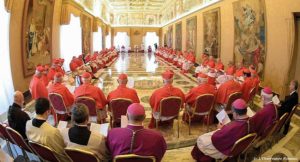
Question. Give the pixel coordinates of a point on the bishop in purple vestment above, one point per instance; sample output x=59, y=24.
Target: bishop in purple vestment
x=135, y=138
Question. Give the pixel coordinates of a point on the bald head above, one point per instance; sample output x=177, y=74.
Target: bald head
x=18, y=98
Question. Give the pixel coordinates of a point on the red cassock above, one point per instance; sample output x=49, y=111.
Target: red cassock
x=256, y=82
x=79, y=61
x=219, y=66
x=166, y=91
x=240, y=72
x=94, y=92
x=230, y=69
x=64, y=92
x=123, y=92
x=73, y=65
x=51, y=73
x=247, y=85
x=38, y=88
x=59, y=69
x=146, y=142
x=211, y=80
x=211, y=63
x=45, y=79
x=224, y=139
x=264, y=118
x=191, y=96
x=225, y=90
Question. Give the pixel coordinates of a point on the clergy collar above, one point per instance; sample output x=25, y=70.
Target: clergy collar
x=135, y=127
x=268, y=102
x=38, y=122
x=122, y=85
x=16, y=105
x=292, y=92
x=80, y=125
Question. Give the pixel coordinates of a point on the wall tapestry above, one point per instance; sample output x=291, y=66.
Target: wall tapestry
x=178, y=36
x=191, y=34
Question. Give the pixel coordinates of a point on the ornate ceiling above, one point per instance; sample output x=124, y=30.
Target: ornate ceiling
x=141, y=12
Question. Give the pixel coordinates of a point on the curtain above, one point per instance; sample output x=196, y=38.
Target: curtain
x=6, y=83
x=70, y=41
x=97, y=40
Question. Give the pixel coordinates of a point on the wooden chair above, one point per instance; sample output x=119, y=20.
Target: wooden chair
x=58, y=105
x=203, y=107
x=78, y=155
x=292, y=113
x=251, y=97
x=5, y=136
x=118, y=107
x=19, y=141
x=90, y=103
x=170, y=107
x=232, y=97
x=134, y=158
x=45, y=153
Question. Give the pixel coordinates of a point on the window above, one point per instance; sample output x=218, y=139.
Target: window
x=97, y=40
x=108, y=41
x=122, y=39
x=150, y=39
x=6, y=85
x=70, y=41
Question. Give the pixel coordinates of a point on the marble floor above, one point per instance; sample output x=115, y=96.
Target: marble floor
x=144, y=72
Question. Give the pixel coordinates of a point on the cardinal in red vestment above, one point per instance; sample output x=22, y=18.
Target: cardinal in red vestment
x=37, y=87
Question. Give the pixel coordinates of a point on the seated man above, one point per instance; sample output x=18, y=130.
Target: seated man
x=53, y=69
x=227, y=89
x=16, y=117
x=44, y=76
x=239, y=69
x=247, y=85
x=219, y=64
x=218, y=144
x=167, y=90
x=122, y=91
x=79, y=136
x=264, y=118
x=40, y=131
x=289, y=102
x=131, y=140
x=230, y=68
x=202, y=88
x=61, y=89
x=89, y=90
x=37, y=87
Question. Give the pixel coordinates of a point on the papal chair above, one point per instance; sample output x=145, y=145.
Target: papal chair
x=118, y=107
x=90, y=103
x=133, y=158
x=59, y=106
x=45, y=153
x=203, y=107
x=79, y=155
x=169, y=108
x=19, y=141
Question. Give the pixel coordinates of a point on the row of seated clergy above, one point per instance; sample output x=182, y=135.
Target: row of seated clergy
x=119, y=140
x=217, y=144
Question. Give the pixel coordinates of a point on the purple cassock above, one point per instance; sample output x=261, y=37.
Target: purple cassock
x=264, y=118
x=146, y=142
x=224, y=139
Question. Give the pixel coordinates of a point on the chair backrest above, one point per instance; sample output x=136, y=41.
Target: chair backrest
x=18, y=139
x=269, y=130
x=232, y=97
x=281, y=122
x=78, y=155
x=119, y=107
x=90, y=103
x=4, y=133
x=242, y=144
x=57, y=102
x=134, y=158
x=292, y=112
x=252, y=94
x=170, y=106
x=44, y=152
x=204, y=103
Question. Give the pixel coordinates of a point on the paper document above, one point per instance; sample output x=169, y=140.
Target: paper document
x=124, y=121
x=62, y=124
x=130, y=83
x=223, y=117
x=250, y=113
x=276, y=100
x=100, y=128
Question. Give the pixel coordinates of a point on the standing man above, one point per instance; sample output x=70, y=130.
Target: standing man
x=89, y=90
x=37, y=87
x=131, y=140
x=16, y=117
x=167, y=90
x=289, y=102
x=247, y=85
x=123, y=92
